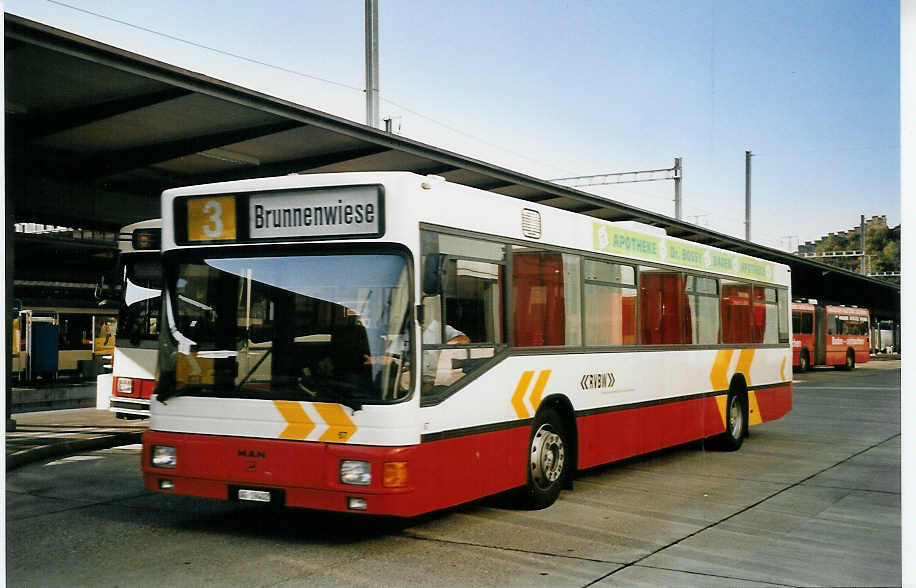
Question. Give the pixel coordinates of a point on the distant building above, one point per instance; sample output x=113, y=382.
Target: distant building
x=837, y=248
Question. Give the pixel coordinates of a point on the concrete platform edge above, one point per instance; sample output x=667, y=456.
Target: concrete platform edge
x=65, y=448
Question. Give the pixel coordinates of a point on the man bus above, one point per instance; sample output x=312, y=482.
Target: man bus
x=295, y=367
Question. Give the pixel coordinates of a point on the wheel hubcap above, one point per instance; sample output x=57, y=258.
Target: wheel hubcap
x=736, y=415
x=547, y=457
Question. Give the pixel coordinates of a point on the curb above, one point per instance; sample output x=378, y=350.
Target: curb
x=70, y=447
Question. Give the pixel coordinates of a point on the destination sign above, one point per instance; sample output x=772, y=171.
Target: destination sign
x=310, y=213
x=341, y=211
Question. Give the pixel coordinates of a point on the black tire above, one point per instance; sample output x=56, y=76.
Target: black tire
x=735, y=423
x=547, y=460
x=804, y=364
x=850, y=361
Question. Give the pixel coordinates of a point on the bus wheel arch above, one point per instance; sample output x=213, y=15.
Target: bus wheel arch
x=551, y=453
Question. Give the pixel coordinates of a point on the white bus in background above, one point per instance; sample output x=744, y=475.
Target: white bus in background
x=133, y=375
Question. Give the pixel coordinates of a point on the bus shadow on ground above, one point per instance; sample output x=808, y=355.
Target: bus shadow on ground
x=295, y=525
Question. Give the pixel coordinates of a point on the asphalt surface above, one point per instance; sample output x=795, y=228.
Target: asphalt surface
x=812, y=499
x=50, y=434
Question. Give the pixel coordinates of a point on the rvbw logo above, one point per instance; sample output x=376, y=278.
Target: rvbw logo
x=597, y=381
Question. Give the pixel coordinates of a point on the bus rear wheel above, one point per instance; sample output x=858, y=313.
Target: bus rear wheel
x=804, y=363
x=850, y=360
x=735, y=423
x=547, y=461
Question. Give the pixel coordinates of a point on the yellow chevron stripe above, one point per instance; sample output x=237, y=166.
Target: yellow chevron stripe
x=753, y=411
x=299, y=425
x=340, y=427
x=722, y=404
x=745, y=358
x=518, y=398
x=543, y=376
x=718, y=376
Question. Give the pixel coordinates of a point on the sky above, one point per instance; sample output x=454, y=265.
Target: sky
x=558, y=89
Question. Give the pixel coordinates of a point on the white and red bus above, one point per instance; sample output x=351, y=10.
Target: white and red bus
x=136, y=348
x=829, y=335
x=394, y=344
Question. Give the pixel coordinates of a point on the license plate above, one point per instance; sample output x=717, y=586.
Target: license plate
x=254, y=495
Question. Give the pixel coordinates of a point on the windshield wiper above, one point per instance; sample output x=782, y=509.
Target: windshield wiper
x=252, y=370
x=336, y=385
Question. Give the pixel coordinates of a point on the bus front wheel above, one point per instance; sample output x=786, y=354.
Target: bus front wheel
x=803, y=361
x=547, y=461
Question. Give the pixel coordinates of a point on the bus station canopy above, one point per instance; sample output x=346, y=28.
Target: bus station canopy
x=95, y=133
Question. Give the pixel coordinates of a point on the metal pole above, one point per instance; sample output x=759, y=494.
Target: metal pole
x=862, y=269
x=678, y=172
x=747, y=195
x=8, y=315
x=372, y=63
x=9, y=220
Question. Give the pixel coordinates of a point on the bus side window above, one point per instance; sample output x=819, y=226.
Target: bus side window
x=807, y=323
x=469, y=301
x=610, y=303
x=545, y=288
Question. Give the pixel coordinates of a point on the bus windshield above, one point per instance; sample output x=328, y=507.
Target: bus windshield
x=141, y=285
x=328, y=328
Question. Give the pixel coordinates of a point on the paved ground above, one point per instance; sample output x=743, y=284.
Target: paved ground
x=48, y=434
x=810, y=500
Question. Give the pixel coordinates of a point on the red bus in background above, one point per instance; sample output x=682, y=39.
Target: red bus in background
x=829, y=335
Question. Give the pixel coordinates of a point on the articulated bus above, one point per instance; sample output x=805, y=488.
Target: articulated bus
x=133, y=373
x=829, y=335
x=394, y=344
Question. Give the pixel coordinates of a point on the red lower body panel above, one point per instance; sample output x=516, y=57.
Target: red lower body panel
x=441, y=473
x=612, y=436
x=775, y=402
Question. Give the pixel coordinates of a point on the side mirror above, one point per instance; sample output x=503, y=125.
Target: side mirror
x=434, y=274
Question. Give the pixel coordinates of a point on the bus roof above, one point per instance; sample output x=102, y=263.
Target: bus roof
x=126, y=234
x=411, y=200
x=850, y=310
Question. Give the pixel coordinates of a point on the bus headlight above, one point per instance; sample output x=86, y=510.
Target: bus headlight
x=355, y=473
x=163, y=456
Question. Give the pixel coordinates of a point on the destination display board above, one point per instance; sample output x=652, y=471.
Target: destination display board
x=302, y=214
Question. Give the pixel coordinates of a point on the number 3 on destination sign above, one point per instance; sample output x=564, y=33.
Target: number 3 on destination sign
x=211, y=219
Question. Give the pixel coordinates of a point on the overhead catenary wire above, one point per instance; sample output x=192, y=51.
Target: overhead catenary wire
x=300, y=74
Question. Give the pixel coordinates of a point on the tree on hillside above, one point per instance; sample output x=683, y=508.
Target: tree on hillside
x=882, y=245
x=832, y=243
